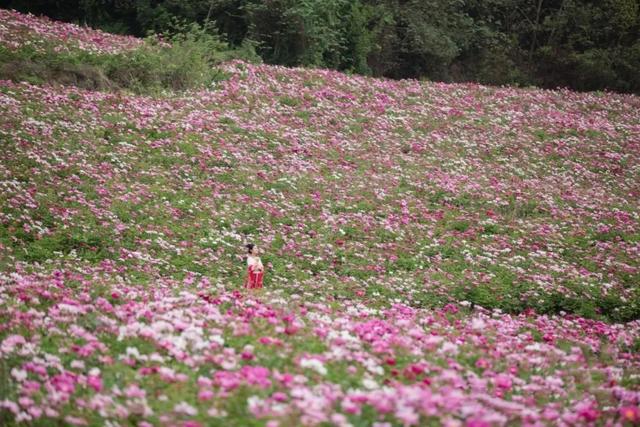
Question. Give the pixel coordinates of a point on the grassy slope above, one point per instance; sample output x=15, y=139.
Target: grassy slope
x=361, y=191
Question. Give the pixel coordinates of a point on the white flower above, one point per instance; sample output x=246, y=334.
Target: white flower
x=217, y=339
x=369, y=384
x=449, y=347
x=186, y=409
x=77, y=364
x=19, y=374
x=477, y=324
x=314, y=364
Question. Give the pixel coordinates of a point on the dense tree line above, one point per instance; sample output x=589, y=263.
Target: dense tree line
x=582, y=44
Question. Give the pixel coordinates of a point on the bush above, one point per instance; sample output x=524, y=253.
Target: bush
x=188, y=61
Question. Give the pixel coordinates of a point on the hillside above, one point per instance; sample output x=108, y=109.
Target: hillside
x=450, y=253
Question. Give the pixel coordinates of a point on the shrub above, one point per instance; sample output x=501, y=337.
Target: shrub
x=188, y=61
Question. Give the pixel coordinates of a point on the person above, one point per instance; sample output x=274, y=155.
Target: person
x=255, y=269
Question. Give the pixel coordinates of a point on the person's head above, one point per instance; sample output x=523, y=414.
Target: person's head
x=252, y=249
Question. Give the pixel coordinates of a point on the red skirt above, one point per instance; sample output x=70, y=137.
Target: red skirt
x=254, y=279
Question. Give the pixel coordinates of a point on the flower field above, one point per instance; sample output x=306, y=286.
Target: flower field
x=436, y=254
x=19, y=30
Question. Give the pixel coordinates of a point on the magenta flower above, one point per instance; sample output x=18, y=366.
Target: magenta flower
x=503, y=381
x=630, y=414
x=95, y=382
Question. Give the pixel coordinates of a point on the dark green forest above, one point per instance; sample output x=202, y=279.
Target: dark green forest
x=580, y=44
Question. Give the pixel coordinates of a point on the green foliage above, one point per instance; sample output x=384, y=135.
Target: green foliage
x=298, y=32
x=189, y=61
x=91, y=247
x=360, y=41
x=288, y=101
x=461, y=226
x=575, y=43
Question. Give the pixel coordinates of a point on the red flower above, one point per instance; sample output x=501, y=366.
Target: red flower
x=416, y=369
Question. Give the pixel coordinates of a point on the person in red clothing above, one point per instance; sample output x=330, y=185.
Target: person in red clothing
x=255, y=269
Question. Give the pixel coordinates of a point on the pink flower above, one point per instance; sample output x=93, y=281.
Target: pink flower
x=407, y=416
x=189, y=279
x=350, y=407
x=503, y=381
x=30, y=387
x=587, y=411
x=9, y=343
x=226, y=380
x=204, y=382
x=630, y=413
x=204, y=395
x=475, y=422
x=450, y=308
x=256, y=375
x=134, y=391
x=417, y=369
x=76, y=421
x=265, y=340
x=292, y=328
x=482, y=363
x=279, y=396
x=382, y=404
x=550, y=414
x=95, y=382
x=185, y=409
x=64, y=383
